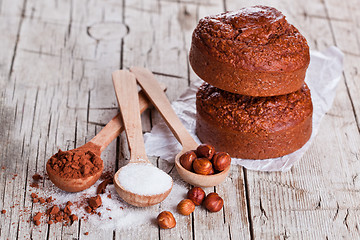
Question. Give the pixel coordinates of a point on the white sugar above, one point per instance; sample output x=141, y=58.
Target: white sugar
x=144, y=179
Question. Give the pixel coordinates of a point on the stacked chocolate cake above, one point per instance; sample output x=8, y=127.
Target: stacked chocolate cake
x=254, y=103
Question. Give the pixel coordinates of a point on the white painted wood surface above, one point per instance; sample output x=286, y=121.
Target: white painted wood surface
x=56, y=59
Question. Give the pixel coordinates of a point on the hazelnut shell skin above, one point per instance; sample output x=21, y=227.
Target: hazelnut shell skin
x=197, y=195
x=187, y=159
x=221, y=160
x=213, y=202
x=205, y=151
x=202, y=166
x=166, y=220
x=186, y=207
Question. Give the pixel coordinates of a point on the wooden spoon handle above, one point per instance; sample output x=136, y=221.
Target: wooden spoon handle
x=116, y=126
x=152, y=89
x=128, y=100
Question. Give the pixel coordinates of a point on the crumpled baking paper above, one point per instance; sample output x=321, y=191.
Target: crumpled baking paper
x=322, y=77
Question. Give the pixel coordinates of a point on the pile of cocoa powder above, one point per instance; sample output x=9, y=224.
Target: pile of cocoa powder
x=77, y=163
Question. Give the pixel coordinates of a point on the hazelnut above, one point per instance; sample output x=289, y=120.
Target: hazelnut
x=196, y=195
x=221, y=161
x=212, y=171
x=166, y=220
x=205, y=150
x=186, y=160
x=202, y=166
x=186, y=207
x=213, y=202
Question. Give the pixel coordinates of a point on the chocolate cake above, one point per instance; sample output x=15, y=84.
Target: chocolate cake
x=253, y=127
x=253, y=51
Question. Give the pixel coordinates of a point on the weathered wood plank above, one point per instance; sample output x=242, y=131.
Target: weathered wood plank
x=178, y=33
x=232, y=221
x=60, y=85
x=13, y=171
x=344, y=20
x=154, y=41
x=315, y=200
x=55, y=66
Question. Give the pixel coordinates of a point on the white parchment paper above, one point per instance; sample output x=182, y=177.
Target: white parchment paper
x=323, y=76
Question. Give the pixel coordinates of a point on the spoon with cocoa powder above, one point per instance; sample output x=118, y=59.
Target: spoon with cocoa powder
x=78, y=169
x=152, y=89
x=139, y=183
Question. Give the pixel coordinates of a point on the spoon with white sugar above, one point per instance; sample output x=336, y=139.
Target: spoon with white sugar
x=152, y=89
x=139, y=183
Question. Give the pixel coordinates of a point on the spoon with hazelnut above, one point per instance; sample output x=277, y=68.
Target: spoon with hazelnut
x=78, y=169
x=139, y=183
x=153, y=91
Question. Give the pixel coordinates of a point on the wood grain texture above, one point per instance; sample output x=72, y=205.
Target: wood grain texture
x=56, y=60
x=316, y=199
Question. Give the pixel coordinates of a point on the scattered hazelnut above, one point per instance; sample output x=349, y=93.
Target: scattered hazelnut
x=186, y=160
x=186, y=207
x=205, y=150
x=202, y=166
x=221, y=161
x=196, y=195
x=213, y=202
x=166, y=220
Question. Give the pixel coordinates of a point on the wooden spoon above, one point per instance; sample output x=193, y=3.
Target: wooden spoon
x=152, y=89
x=95, y=145
x=132, y=182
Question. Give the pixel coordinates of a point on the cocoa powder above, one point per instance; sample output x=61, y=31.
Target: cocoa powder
x=57, y=215
x=102, y=186
x=95, y=202
x=37, y=177
x=37, y=218
x=54, y=213
x=77, y=163
x=63, y=214
x=34, y=185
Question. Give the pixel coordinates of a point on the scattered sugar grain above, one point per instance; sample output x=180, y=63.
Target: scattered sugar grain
x=144, y=179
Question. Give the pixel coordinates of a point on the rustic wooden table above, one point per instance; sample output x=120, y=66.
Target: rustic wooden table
x=56, y=59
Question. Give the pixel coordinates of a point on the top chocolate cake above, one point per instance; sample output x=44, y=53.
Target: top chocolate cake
x=253, y=51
